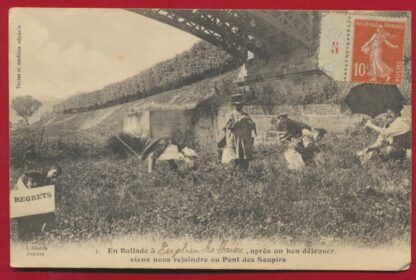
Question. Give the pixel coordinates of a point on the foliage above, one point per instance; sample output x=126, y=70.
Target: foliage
x=302, y=90
x=25, y=106
x=54, y=146
x=202, y=61
x=117, y=145
x=266, y=97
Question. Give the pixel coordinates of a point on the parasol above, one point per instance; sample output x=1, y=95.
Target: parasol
x=374, y=99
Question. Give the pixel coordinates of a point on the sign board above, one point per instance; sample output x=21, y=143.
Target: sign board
x=27, y=202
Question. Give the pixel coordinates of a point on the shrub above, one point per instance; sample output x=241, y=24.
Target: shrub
x=117, y=145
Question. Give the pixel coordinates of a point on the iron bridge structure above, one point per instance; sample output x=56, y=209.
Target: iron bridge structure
x=261, y=32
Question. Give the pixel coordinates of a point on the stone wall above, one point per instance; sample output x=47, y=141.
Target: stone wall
x=137, y=124
x=190, y=128
x=328, y=117
x=206, y=136
x=169, y=123
x=202, y=130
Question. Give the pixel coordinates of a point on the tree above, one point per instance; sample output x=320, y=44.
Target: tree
x=25, y=106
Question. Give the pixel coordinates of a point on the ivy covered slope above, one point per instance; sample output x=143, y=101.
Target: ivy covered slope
x=203, y=60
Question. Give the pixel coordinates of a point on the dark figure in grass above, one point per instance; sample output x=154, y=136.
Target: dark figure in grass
x=301, y=140
x=164, y=149
x=31, y=226
x=29, y=156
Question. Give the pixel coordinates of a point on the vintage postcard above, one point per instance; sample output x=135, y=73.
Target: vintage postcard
x=210, y=139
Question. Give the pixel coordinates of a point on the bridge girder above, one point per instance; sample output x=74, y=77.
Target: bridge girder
x=239, y=31
x=211, y=27
x=227, y=29
x=302, y=26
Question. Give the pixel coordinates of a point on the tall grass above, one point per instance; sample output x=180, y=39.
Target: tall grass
x=337, y=200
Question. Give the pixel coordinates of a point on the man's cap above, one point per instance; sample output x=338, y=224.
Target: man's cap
x=282, y=115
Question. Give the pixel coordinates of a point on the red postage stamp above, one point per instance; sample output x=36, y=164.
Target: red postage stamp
x=377, y=54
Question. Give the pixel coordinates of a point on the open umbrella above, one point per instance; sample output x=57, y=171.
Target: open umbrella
x=374, y=99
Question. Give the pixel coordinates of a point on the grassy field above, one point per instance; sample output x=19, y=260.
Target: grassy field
x=336, y=201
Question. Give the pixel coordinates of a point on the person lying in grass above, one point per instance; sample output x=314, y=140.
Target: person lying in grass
x=163, y=149
x=153, y=150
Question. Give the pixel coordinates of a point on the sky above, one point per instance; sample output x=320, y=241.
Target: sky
x=66, y=51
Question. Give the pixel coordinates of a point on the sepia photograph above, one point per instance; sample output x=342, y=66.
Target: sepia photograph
x=210, y=139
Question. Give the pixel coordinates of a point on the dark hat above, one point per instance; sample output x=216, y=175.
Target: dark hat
x=237, y=99
x=283, y=115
